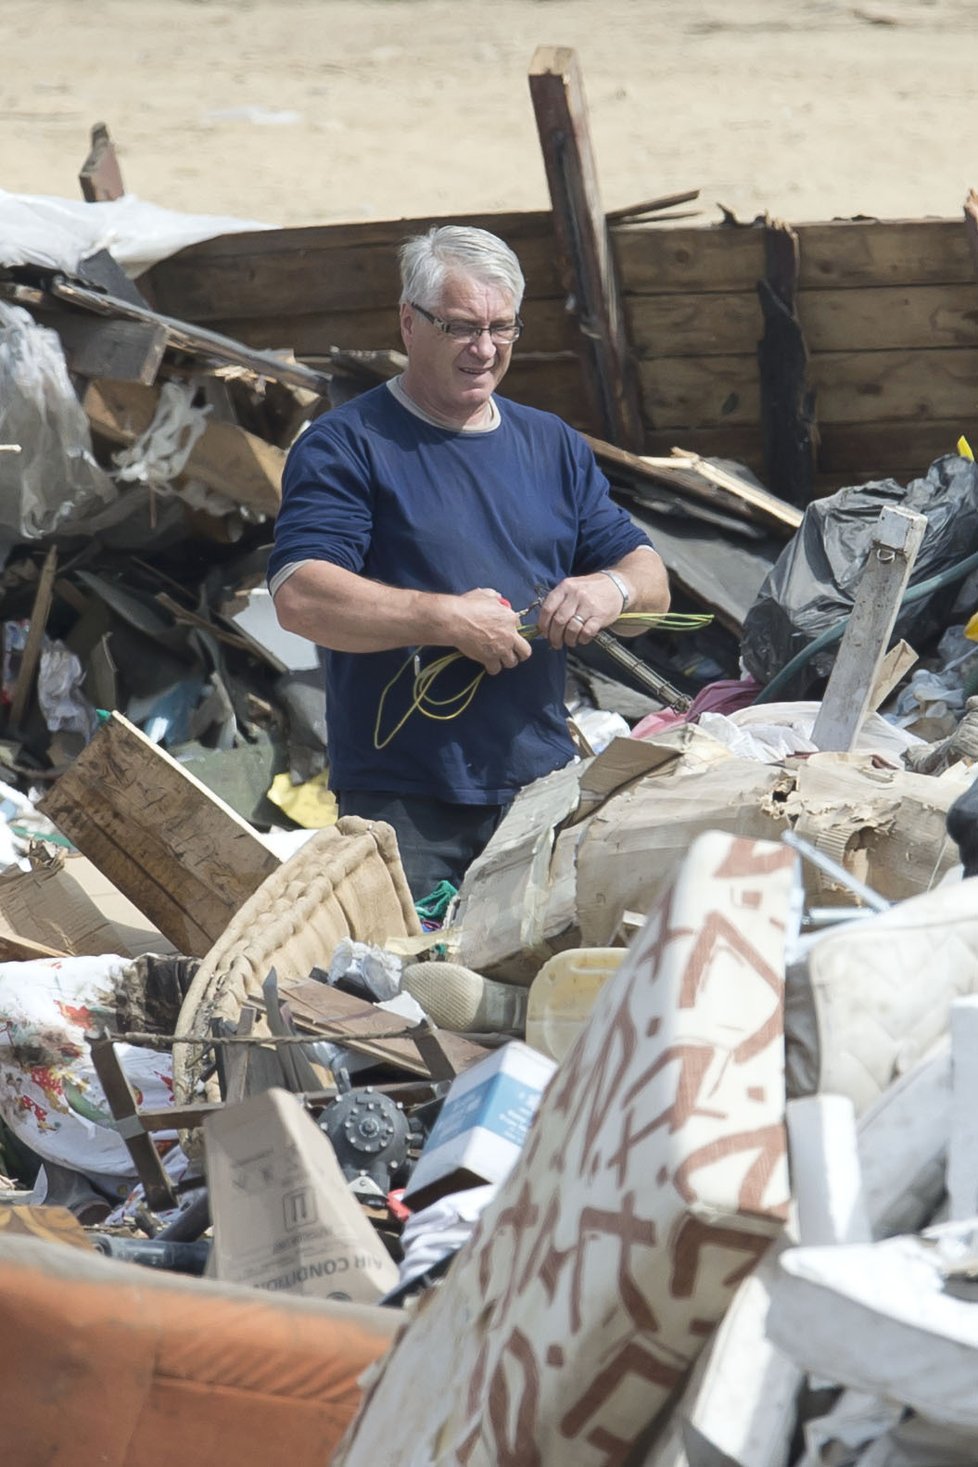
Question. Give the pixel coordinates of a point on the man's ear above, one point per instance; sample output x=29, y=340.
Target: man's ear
x=407, y=324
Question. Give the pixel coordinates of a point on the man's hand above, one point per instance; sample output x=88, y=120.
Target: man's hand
x=578, y=608
x=485, y=628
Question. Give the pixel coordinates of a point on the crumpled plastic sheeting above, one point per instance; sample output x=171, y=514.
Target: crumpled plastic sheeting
x=813, y=583
x=54, y=476
x=36, y=229
x=59, y=692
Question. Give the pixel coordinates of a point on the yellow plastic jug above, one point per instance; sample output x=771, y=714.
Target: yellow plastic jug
x=563, y=994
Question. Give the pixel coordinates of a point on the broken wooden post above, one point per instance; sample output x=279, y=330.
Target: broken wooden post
x=31, y=654
x=787, y=400
x=584, y=250
x=971, y=225
x=100, y=176
x=894, y=547
x=121, y=1101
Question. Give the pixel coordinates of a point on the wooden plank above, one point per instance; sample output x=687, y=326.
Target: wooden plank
x=587, y=265
x=787, y=399
x=129, y=351
x=29, y=658
x=338, y=267
x=197, y=341
x=547, y=328
x=554, y=386
x=122, y=1103
x=180, y=854
x=845, y=702
x=857, y=252
x=319, y=1008
x=901, y=450
x=688, y=324
x=688, y=477
x=100, y=177
x=232, y=461
x=847, y=254
x=654, y=260
x=851, y=387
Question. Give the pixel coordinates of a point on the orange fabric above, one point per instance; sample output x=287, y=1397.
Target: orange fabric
x=101, y=1368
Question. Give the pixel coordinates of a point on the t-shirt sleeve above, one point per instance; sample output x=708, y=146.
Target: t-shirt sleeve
x=326, y=511
x=606, y=532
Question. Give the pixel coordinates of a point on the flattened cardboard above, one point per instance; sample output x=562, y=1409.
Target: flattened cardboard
x=284, y=1217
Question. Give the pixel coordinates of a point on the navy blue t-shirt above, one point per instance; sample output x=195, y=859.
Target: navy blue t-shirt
x=377, y=490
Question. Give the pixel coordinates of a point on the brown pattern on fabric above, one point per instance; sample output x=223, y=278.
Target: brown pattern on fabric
x=653, y=1179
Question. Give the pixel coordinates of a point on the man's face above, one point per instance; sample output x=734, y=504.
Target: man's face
x=450, y=379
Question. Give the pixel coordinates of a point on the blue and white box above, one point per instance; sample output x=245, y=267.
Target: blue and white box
x=482, y=1125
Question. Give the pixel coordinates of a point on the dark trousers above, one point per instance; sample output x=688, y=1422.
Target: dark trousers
x=437, y=841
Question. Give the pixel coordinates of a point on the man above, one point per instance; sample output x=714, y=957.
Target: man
x=426, y=515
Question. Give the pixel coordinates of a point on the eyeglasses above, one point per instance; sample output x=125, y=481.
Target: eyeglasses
x=503, y=333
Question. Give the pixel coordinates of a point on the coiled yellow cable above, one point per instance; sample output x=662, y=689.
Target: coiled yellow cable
x=421, y=698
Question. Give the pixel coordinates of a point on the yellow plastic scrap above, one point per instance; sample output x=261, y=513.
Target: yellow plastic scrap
x=311, y=805
x=964, y=448
x=971, y=630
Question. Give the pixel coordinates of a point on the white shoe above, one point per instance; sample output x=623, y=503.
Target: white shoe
x=459, y=999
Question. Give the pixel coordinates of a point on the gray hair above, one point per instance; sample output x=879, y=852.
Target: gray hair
x=457, y=249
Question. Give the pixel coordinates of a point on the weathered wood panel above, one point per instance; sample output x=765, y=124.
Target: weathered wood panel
x=556, y=387
x=284, y=272
x=878, y=318
x=182, y=856
x=848, y=254
x=548, y=328
x=851, y=387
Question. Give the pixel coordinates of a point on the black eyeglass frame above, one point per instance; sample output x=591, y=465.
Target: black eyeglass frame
x=452, y=329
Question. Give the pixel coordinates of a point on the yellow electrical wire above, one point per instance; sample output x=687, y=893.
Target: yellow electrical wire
x=423, y=702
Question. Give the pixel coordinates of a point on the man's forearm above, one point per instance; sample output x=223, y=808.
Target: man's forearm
x=345, y=612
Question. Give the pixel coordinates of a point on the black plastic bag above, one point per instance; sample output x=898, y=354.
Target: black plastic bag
x=813, y=583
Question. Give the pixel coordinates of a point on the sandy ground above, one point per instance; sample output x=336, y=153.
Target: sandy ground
x=314, y=111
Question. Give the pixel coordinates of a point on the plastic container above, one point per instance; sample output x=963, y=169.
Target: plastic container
x=563, y=994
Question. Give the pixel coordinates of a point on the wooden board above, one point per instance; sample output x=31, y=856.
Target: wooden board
x=851, y=387
x=556, y=386
x=332, y=267
x=547, y=327
x=182, y=856
x=235, y=463
x=129, y=351
x=876, y=318
x=845, y=253
x=319, y=1008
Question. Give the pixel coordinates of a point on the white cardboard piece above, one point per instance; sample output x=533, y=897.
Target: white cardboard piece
x=284, y=1217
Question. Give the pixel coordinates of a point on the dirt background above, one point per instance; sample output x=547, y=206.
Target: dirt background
x=316, y=111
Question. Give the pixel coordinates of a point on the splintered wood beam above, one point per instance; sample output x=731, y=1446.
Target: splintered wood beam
x=31, y=654
x=896, y=541
x=584, y=252
x=195, y=340
x=100, y=176
x=971, y=225
x=787, y=400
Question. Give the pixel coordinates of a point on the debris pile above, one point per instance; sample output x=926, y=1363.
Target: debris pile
x=653, y=1144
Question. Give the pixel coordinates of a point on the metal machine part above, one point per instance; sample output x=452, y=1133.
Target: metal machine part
x=370, y=1135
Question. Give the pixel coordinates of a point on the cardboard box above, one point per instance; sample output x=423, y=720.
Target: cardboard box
x=285, y=1219
x=483, y=1124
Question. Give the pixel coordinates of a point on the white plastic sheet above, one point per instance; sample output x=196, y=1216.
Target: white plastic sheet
x=36, y=229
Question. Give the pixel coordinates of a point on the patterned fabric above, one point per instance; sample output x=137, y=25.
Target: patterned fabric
x=652, y=1180
x=50, y=1096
